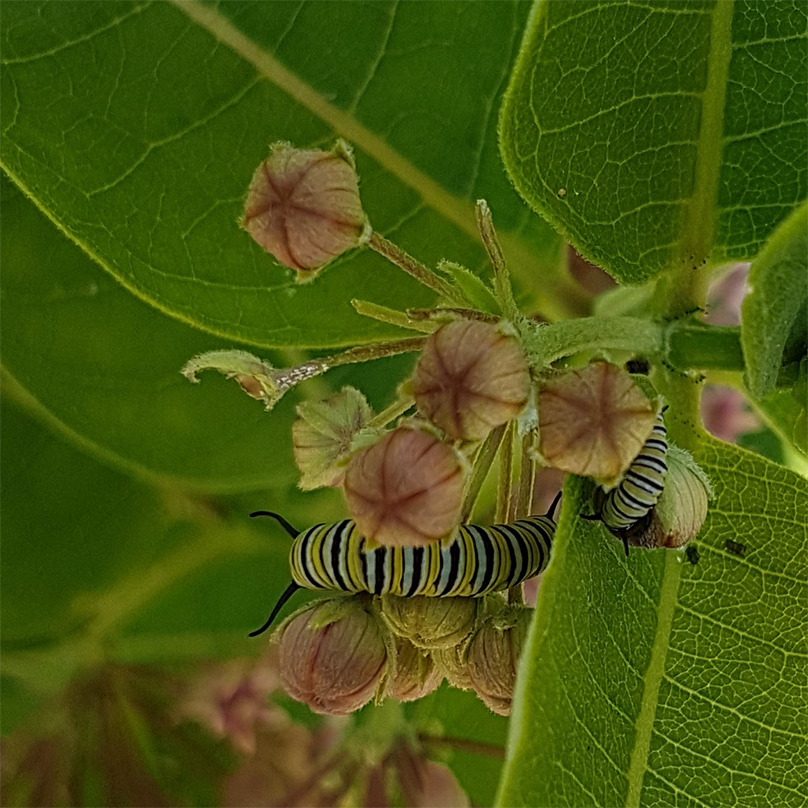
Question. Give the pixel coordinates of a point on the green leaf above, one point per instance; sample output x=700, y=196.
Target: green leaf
x=104, y=369
x=70, y=527
x=650, y=681
x=659, y=134
x=159, y=140
x=775, y=305
x=785, y=412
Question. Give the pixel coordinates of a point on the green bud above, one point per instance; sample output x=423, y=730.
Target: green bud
x=493, y=656
x=430, y=623
x=682, y=507
x=413, y=673
x=323, y=433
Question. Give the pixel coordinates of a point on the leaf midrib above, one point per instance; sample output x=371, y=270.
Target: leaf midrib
x=700, y=215
x=652, y=679
x=457, y=211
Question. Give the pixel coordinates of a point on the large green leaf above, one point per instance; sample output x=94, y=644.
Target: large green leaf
x=653, y=682
x=164, y=110
x=656, y=134
x=776, y=304
x=98, y=567
x=104, y=367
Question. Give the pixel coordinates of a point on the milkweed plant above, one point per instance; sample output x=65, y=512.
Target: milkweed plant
x=514, y=297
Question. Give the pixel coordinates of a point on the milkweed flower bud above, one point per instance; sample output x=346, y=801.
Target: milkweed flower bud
x=407, y=489
x=333, y=655
x=593, y=422
x=470, y=378
x=413, y=674
x=303, y=207
x=322, y=435
x=431, y=623
x=452, y=662
x=682, y=507
x=493, y=656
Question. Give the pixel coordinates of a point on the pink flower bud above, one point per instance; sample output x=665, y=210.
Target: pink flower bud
x=413, y=673
x=303, y=207
x=333, y=655
x=470, y=378
x=405, y=490
x=493, y=657
x=593, y=422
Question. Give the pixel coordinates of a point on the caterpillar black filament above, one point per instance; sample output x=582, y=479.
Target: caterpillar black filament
x=477, y=561
x=625, y=508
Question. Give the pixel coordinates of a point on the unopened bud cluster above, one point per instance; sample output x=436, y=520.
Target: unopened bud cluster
x=338, y=654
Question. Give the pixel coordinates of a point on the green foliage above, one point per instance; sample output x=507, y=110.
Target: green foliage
x=639, y=130
x=163, y=135
x=775, y=307
x=650, y=681
x=654, y=136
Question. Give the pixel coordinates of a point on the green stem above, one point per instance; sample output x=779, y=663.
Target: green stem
x=398, y=407
x=469, y=314
x=503, y=512
x=423, y=274
x=464, y=745
x=527, y=477
x=502, y=282
x=678, y=293
x=692, y=345
x=482, y=465
x=383, y=314
x=639, y=335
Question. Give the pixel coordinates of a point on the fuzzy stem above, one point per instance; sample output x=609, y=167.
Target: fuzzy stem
x=482, y=465
x=374, y=350
x=383, y=314
x=678, y=293
x=464, y=745
x=502, y=282
x=468, y=314
x=527, y=477
x=390, y=413
x=505, y=478
x=692, y=345
x=395, y=255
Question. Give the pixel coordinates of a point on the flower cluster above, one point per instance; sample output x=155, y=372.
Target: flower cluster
x=411, y=474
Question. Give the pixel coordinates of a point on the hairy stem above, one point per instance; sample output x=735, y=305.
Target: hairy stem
x=482, y=465
x=412, y=266
x=502, y=282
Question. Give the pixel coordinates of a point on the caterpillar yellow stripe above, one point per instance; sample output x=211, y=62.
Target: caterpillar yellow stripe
x=477, y=561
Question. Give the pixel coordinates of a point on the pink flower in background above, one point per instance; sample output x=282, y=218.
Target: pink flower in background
x=725, y=296
x=726, y=414
x=232, y=700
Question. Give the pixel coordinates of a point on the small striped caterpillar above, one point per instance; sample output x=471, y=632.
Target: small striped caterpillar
x=478, y=560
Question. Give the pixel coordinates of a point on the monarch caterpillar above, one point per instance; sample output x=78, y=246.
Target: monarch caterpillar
x=477, y=561
x=626, y=508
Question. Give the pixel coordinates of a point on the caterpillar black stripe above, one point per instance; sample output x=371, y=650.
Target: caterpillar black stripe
x=477, y=561
x=625, y=508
